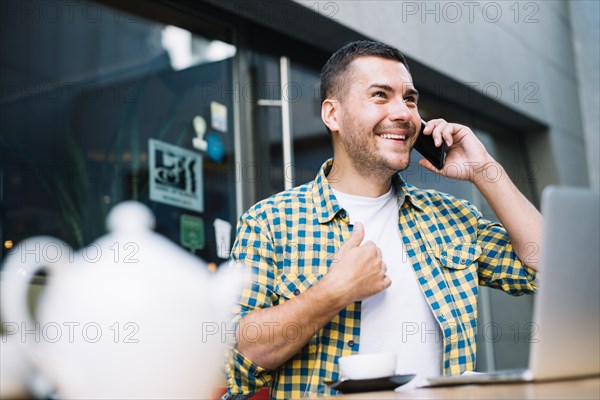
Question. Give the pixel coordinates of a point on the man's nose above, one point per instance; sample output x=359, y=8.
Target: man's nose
x=399, y=111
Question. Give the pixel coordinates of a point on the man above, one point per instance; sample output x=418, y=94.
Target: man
x=321, y=289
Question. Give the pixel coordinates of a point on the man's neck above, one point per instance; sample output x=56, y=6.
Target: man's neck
x=345, y=178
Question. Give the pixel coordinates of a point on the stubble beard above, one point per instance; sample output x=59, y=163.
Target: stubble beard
x=366, y=159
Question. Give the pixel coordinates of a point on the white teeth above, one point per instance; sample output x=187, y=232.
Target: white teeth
x=391, y=136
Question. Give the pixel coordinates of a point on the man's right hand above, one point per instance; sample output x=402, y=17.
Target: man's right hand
x=356, y=271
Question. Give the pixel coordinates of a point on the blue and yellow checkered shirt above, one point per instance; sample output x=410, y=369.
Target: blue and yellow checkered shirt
x=289, y=240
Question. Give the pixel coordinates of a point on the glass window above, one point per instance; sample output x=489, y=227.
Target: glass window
x=267, y=168
x=101, y=106
x=312, y=142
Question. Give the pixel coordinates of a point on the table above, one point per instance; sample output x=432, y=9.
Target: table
x=588, y=388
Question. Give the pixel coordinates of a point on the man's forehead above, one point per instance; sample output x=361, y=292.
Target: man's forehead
x=368, y=70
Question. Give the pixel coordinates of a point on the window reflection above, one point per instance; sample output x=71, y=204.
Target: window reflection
x=186, y=49
x=81, y=101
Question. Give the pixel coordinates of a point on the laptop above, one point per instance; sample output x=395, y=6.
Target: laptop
x=567, y=303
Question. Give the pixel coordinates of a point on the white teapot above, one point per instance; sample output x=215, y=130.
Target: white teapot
x=129, y=316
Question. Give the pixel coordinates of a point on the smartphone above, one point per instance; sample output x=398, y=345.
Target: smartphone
x=426, y=146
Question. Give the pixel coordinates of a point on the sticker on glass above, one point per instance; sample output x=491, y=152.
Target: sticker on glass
x=218, y=116
x=223, y=237
x=215, y=148
x=199, y=125
x=192, y=232
x=175, y=176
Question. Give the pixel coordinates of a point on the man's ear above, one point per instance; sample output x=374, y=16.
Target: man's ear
x=329, y=114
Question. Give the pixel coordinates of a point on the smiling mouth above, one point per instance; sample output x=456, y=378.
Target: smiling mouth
x=393, y=136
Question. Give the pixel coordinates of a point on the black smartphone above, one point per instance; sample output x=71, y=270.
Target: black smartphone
x=426, y=146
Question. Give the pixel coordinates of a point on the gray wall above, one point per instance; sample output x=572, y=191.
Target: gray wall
x=499, y=46
x=585, y=25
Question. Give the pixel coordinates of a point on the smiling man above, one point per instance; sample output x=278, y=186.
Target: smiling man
x=358, y=261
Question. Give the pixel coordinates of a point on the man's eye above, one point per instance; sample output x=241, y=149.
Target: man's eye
x=379, y=94
x=410, y=99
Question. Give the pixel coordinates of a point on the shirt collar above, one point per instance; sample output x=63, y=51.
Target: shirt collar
x=407, y=192
x=327, y=205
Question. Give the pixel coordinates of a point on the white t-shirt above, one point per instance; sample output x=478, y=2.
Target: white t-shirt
x=397, y=319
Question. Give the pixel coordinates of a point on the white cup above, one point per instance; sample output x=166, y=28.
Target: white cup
x=367, y=366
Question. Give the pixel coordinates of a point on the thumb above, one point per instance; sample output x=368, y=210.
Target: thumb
x=358, y=234
x=428, y=165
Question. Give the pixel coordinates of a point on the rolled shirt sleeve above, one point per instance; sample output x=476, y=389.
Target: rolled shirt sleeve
x=499, y=265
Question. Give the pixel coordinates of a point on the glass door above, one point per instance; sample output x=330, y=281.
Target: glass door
x=293, y=141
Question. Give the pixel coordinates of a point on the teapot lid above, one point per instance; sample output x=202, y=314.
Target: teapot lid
x=130, y=216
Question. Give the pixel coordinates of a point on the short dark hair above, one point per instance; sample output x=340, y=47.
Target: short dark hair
x=332, y=74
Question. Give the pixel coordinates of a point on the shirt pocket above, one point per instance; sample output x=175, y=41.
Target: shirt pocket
x=458, y=256
x=459, y=270
x=291, y=285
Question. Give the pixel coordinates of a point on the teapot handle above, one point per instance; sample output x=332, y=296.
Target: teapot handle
x=22, y=263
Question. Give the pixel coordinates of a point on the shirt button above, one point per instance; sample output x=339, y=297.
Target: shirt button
x=463, y=261
x=343, y=214
x=351, y=343
x=297, y=292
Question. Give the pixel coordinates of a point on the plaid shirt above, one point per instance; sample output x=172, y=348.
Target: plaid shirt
x=289, y=240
